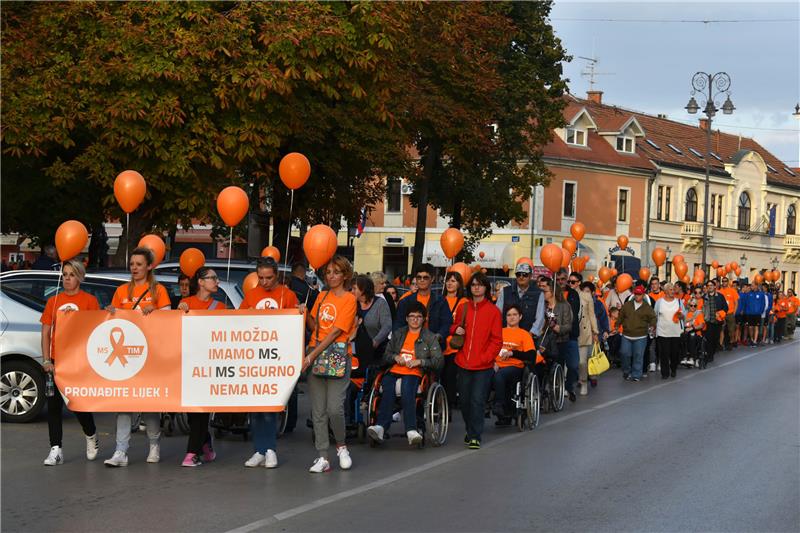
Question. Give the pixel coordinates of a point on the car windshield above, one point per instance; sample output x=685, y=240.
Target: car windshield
x=23, y=298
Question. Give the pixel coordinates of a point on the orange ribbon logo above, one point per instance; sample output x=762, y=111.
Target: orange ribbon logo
x=118, y=348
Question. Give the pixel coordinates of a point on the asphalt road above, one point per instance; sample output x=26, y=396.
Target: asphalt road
x=713, y=450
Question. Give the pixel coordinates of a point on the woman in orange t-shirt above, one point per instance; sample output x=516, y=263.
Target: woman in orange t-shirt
x=517, y=347
x=331, y=321
x=202, y=287
x=144, y=294
x=454, y=296
x=72, y=298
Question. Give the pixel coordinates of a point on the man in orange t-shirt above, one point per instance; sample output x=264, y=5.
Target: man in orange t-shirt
x=730, y=337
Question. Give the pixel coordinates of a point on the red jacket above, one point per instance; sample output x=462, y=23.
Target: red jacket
x=484, y=335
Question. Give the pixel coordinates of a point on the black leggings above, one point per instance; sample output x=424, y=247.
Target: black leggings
x=669, y=351
x=449, y=378
x=55, y=407
x=198, y=432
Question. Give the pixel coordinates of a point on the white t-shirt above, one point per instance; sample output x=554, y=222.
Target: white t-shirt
x=665, y=326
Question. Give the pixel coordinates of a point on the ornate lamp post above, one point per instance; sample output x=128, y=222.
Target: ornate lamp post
x=707, y=87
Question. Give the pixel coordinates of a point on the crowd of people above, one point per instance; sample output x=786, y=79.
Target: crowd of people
x=472, y=337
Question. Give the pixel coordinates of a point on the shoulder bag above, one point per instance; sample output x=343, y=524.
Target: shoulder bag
x=598, y=362
x=457, y=341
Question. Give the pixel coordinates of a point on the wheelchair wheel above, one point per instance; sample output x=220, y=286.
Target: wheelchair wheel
x=528, y=416
x=557, y=388
x=181, y=422
x=436, y=415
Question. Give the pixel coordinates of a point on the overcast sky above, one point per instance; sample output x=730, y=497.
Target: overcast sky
x=650, y=62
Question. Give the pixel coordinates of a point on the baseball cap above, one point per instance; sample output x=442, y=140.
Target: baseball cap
x=638, y=290
x=523, y=268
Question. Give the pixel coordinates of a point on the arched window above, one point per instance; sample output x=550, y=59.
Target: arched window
x=791, y=220
x=744, y=212
x=691, y=205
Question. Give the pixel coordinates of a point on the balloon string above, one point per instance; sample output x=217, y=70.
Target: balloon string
x=53, y=317
x=288, y=230
x=230, y=249
x=127, y=235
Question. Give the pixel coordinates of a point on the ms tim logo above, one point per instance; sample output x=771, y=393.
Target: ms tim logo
x=117, y=349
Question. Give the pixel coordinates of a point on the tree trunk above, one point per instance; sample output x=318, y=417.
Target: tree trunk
x=138, y=227
x=429, y=166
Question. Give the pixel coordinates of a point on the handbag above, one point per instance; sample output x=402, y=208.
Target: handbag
x=598, y=362
x=457, y=341
x=332, y=362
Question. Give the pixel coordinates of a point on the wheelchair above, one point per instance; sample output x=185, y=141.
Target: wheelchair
x=433, y=409
x=526, y=400
x=555, y=383
x=701, y=357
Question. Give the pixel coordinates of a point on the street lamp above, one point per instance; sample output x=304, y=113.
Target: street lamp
x=707, y=87
x=775, y=262
x=743, y=262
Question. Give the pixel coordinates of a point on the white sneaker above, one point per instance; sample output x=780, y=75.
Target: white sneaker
x=584, y=389
x=320, y=465
x=344, y=458
x=652, y=367
x=55, y=457
x=690, y=361
x=257, y=459
x=697, y=363
x=271, y=460
x=118, y=459
x=414, y=437
x=375, y=433
x=683, y=361
x=396, y=417
x=155, y=453
x=92, y=447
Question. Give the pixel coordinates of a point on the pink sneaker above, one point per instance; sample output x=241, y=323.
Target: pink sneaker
x=208, y=453
x=191, y=459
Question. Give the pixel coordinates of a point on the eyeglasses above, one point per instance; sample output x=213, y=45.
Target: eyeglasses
x=523, y=275
x=573, y=281
x=414, y=317
x=561, y=280
x=423, y=278
x=213, y=278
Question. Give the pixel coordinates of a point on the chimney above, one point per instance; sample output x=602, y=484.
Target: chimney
x=595, y=96
x=704, y=124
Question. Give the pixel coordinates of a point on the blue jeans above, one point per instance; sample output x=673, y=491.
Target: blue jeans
x=504, y=378
x=408, y=400
x=264, y=427
x=571, y=357
x=632, y=354
x=473, y=391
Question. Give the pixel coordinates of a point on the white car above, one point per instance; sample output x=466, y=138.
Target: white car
x=23, y=294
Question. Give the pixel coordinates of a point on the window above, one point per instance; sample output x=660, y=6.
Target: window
x=576, y=136
x=662, y=207
x=393, y=196
x=715, y=156
x=625, y=144
x=654, y=145
x=715, y=213
x=744, y=212
x=675, y=149
x=622, y=205
x=695, y=152
x=791, y=220
x=667, y=195
x=691, y=206
x=772, y=169
x=570, y=189
x=789, y=171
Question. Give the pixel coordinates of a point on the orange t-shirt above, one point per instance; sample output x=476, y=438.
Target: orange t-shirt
x=281, y=297
x=82, y=301
x=696, y=319
x=656, y=296
x=731, y=298
x=424, y=299
x=781, y=308
x=407, y=352
x=121, y=300
x=515, y=339
x=451, y=304
x=196, y=303
x=331, y=311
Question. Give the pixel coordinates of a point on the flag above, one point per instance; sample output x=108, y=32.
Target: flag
x=362, y=222
x=772, y=221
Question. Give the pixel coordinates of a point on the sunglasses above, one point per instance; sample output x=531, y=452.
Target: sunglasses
x=573, y=281
x=523, y=275
x=423, y=278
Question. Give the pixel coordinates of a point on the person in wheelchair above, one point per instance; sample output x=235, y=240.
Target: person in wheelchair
x=518, y=348
x=412, y=351
x=692, y=336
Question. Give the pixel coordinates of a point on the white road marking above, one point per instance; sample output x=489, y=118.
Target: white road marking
x=315, y=504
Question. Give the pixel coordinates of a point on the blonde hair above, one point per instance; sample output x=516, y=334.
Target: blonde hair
x=77, y=267
x=344, y=266
x=378, y=277
x=150, y=257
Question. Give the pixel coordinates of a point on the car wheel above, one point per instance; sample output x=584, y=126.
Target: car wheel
x=21, y=391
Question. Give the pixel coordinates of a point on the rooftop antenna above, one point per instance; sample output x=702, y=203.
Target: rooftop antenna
x=590, y=72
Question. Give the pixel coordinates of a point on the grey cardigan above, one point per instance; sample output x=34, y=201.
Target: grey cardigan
x=378, y=320
x=426, y=349
x=563, y=313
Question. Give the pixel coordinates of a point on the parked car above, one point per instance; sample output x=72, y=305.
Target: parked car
x=23, y=295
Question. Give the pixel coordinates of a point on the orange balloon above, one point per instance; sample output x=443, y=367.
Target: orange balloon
x=734, y=265
x=319, y=245
x=570, y=244
x=680, y=269
x=577, y=265
x=715, y=264
x=505, y=268
x=476, y=267
x=604, y=274
x=577, y=230
x=678, y=259
x=565, y=257
x=481, y=255
x=129, y=190
x=232, y=205
x=591, y=279
x=659, y=256
x=463, y=269
x=527, y=260
x=156, y=244
x=622, y=241
x=699, y=276
x=294, y=170
x=191, y=260
x=685, y=279
x=728, y=268
x=644, y=273
x=624, y=282
x=737, y=271
x=71, y=238
x=720, y=272
x=452, y=242
x=271, y=251
x=551, y=257
x=249, y=282
x=614, y=272
x=758, y=278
